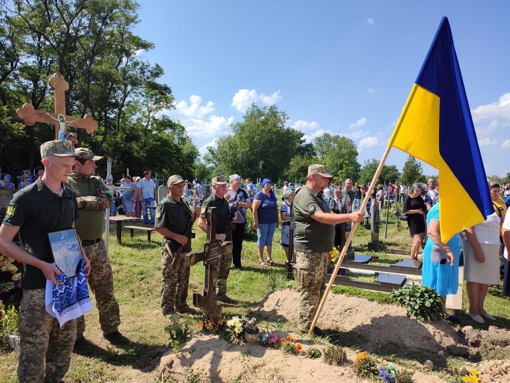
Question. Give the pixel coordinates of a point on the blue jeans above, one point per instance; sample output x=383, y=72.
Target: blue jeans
x=265, y=234
x=148, y=202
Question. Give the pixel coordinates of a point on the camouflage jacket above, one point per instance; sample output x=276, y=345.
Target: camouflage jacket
x=103, y=198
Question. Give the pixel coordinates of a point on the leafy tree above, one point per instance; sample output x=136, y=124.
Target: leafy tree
x=412, y=171
x=260, y=146
x=92, y=45
x=339, y=154
x=506, y=179
x=389, y=173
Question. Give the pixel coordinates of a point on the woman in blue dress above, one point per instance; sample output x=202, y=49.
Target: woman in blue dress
x=440, y=261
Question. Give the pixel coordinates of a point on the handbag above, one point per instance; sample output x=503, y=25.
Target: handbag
x=403, y=217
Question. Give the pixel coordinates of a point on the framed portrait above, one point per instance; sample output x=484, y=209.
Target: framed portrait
x=66, y=251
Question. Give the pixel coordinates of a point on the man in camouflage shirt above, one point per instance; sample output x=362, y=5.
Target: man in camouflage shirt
x=45, y=206
x=221, y=269
x=315, y=234
x=173, y=217
x=93, y=197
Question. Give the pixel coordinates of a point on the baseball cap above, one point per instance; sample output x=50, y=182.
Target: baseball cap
x=219, y=180
x=87, y=154
x=175, y=179
x=319, y=169
x=59, y=148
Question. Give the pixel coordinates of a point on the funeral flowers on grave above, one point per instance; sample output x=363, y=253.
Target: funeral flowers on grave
x=235, y=329
x=10, y=279
x=251, y=326
x=270, y=339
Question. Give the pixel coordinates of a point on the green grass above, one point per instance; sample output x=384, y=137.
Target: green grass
x=137, y=272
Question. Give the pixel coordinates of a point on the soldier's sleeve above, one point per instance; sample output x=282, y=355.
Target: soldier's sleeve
x=18, y=210
x=102, y=201
x=160, y=215
x=204, y=208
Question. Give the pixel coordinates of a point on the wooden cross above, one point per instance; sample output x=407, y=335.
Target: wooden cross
x=211, y=255
x=30, y=115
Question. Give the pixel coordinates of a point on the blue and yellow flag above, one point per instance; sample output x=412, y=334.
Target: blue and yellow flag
x=436, y=127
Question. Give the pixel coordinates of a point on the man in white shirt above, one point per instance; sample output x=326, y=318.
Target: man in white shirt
x=148, y=190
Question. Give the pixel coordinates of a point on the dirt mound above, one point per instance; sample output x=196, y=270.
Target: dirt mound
x=356, y=322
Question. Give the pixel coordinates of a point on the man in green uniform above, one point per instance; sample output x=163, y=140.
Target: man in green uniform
x=315, y=234
x=173, y=216
x=93, y=197
x=45, y=206
x=221, y=269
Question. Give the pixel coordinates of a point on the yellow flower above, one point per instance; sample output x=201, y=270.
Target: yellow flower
x=470, y=379
x=474, y=371
x=362, y=356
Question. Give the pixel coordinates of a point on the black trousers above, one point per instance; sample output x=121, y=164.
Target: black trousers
x=237, y=243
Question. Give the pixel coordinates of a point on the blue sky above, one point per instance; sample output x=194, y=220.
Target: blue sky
x=341, y=67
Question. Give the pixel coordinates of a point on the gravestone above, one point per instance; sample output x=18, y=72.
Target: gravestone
x=211, y=256
x=30, y=115
x=162, y=192
x=375, y=219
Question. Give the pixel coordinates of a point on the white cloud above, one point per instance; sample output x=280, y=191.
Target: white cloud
x=499, y=109
x=371, y=90
x=359, y=123
x=369, y=142
x=198, y=119
x=370, y=21
x=203, y=149
x=355, y=135
x=485, y=130
x=506, y=144
x=245, y=97
x=303, y=125
x=312, y=136
x=487, y=141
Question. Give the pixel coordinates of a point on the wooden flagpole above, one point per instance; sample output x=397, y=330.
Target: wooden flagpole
x=349, y=238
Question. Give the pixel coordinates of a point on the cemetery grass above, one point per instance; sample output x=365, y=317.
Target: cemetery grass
x=137, y=273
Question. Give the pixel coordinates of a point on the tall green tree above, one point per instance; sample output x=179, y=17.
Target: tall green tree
x=412, y=171
x=259, y=146
x=92, y=44
x=389, y=173
x=339, y=154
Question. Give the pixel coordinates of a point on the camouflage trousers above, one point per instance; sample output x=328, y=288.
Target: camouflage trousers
x=220, y=272
x=43, y=341
x=174, y=285
x=312, y=269
x=101, y=284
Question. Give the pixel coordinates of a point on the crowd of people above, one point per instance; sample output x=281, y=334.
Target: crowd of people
x=314, y=219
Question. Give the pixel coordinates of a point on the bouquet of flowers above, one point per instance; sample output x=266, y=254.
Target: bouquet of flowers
x=334, y=255
x=212, y=326
x=270, y=339
x=235, y=329
x=290, y=345
x=251, y=326
x=10, y=279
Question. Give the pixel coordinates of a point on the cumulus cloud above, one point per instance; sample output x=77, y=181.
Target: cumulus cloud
x=198, y=119
x=303, y=125
x=359, y=123
x=312, y=136
x=506, y=144
x=485, y=130
x=355, y=135
x=370, y=21
x=499, y=109
x=203, y=149
x=369, y=142
x=245, y=97
x=487, y=141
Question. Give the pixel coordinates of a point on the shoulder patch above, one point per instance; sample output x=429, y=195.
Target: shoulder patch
x=158, y=214
x=310, y=208
x=203, y=209
x=11, y=210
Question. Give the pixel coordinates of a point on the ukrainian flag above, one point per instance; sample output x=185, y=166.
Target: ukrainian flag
x=436, y=127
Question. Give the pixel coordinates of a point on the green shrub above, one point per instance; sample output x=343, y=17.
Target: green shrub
x=314, y=353
x=335, y=355
x=365, y=366
x=179, y=330
x=421, y=302
x=9, y=325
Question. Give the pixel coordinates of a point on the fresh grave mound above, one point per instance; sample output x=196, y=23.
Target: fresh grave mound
x=216, y=360
x=366, y=325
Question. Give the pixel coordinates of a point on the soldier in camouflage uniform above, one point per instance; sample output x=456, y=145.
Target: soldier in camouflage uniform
x=45, y=206
x=93, y=197
x=221, y=269
x=315, y=233
x=173, y=222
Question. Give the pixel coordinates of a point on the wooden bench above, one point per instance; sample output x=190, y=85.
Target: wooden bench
x=132, y=229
